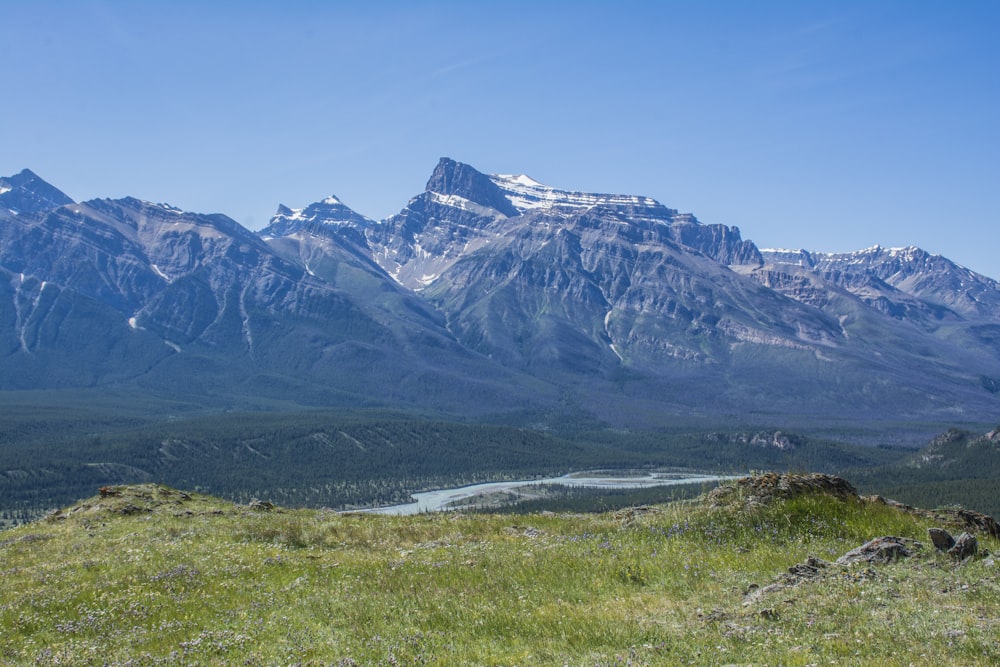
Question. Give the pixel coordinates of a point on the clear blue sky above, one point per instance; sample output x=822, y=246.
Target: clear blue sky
x=830, y=126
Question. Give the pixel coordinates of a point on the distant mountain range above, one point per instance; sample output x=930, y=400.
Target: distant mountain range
x=486, y=295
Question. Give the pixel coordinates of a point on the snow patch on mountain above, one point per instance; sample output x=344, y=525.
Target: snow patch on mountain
x=167, y=207
x=607, y=321
x=456, y=201
x=158, y=271
x=524, y=179
x=527, y=194
x=296, y=214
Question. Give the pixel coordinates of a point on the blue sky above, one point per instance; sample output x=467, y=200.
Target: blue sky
x=829, y=126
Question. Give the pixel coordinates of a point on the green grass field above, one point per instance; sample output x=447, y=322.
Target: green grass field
x=158, y=577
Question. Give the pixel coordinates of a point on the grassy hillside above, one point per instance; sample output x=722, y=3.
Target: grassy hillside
x=146, y=575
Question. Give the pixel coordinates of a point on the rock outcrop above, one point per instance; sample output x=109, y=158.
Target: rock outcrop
x=881, y=551
x=766, y=488
x=964, y=546
x=957, y=517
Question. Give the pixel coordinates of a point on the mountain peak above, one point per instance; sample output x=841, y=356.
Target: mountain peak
x=26, y=192
x=24, y=175
x=331, y=211
x=455, y=178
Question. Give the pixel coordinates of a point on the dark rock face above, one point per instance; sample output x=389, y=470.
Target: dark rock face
x=721, y=243
x=455, y=178
x=812, y=569
x=978, y=521
x=260, y=505
x=941, y=538
x=960, y=517
x=964, y=546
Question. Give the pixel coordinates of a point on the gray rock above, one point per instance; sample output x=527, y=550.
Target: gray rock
x=880, y=551
x=812, y=568
x=942, y=539
x=966, y=545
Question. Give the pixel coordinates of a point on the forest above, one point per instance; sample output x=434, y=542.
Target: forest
x=348, y=459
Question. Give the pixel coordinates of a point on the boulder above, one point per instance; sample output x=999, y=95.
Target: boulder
x=966, y=545
x=880, y=551
x=941, y=538
x=260, y=505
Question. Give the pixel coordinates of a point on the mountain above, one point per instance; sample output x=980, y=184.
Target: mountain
x=489, y=294
x=640, y=309
x=111, y=291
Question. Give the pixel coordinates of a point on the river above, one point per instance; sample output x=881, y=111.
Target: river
x=445, y=499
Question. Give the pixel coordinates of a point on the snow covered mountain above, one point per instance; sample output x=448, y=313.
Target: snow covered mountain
x=489, y=293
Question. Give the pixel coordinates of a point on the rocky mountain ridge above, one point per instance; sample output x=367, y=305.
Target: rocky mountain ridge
x=489, y=286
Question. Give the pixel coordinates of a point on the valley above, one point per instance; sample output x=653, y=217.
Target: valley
x=351, y=459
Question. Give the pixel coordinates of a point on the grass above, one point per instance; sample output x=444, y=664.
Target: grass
x=157, y=577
